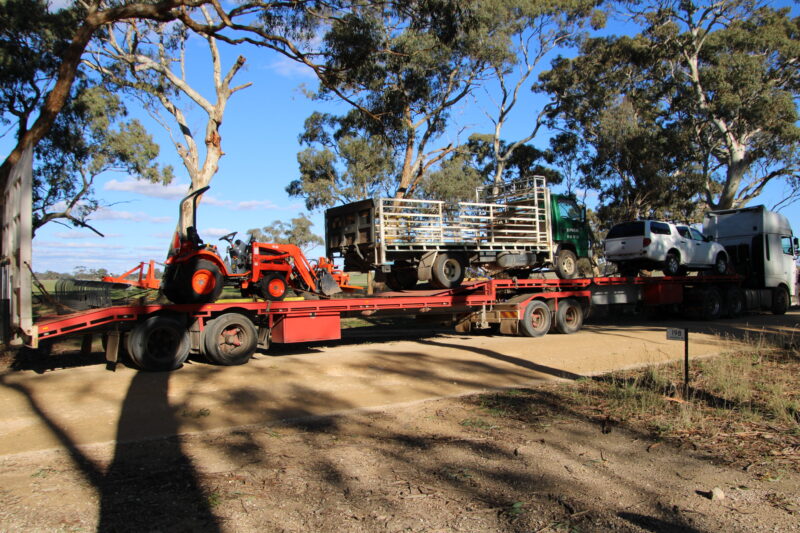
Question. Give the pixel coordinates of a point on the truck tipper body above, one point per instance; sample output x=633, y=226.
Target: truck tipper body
x=511, y=228
x=762, y=249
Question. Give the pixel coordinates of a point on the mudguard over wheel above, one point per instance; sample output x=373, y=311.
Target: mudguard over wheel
x=447, y=271
x=536, y=319
x=159, y=343
x=569, y=316
x=230, y=339
x=566, y=264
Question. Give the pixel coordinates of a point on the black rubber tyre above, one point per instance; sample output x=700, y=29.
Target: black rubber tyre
x=536, y=319
x=230, y=339
x=711, y=307
x=159, y=343
x=272, y=287
x=447, y=272
x=169, y=286
x=672, y=264
x=721, y=264
x=735, y=303
x=780, y=301
x=569, y=316
x=198, y=281
x=402, y=279
x=566, y=264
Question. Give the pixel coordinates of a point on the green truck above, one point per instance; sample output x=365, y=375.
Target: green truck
x=510, y=230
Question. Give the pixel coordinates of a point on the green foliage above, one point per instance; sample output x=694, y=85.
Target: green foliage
x=297, y=231
x=89, y=137
x=699, y=106
x=31, y=40
x=341, y=163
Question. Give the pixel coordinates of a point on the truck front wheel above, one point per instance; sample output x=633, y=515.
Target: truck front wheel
x=566, y=264
x=447, y=272
x=780, y=300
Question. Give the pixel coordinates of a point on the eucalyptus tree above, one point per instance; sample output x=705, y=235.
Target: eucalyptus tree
x=700, y=106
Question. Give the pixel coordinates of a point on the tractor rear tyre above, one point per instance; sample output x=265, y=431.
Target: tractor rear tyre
x=230, y=339
x=199, y=281
x=447, y=271
x=272, y=287
x=569, y=316
x=159, y=343
x=169, y=284
x=536, y=319
x=566, y=264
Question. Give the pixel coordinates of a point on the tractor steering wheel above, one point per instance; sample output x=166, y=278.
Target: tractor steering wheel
x=229, y=237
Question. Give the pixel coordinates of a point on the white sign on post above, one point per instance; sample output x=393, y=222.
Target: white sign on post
x=676, y=334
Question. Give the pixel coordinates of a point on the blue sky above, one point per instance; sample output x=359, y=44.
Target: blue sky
x=259, y=138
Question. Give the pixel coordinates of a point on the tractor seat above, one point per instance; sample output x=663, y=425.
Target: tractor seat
x=193, y=237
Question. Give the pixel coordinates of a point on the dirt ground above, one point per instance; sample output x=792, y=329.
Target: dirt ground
x=443, y=465
x=417, y=464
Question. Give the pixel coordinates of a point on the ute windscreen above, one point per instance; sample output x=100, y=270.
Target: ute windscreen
x=628, y=229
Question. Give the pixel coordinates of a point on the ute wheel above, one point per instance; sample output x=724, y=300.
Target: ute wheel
x=721, y=264
x=569, y=316
x=447, y=272
x=536, y=319
x=272, y=287
x=198, y=281
x=711, y=306
x=780, y=301
x=159, y=343
x=566, y=264
x=734, y=302
x=672, y=264
x=230, y=339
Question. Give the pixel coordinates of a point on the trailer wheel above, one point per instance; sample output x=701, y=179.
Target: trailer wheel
x=447, y=271
x=272, y=287
x=566, y=264
x=711, y=306
x=569, y=316
x=230, y=339
x=536, y=319
x=159, y=343
x=780, y=300
x=734, y=302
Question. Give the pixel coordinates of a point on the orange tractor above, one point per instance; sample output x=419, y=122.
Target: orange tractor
x=196, y=273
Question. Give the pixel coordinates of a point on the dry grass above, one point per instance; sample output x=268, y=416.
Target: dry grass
x=743, y=407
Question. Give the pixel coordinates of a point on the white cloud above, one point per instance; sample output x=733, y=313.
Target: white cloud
x=109, y=214
x=55, y=246
x=215, y=232
x=76, y=234
x=255, y=204
x=291, y=69
x=145, y=188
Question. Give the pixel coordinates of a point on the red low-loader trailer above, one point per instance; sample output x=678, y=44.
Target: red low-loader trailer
x=161, y=337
